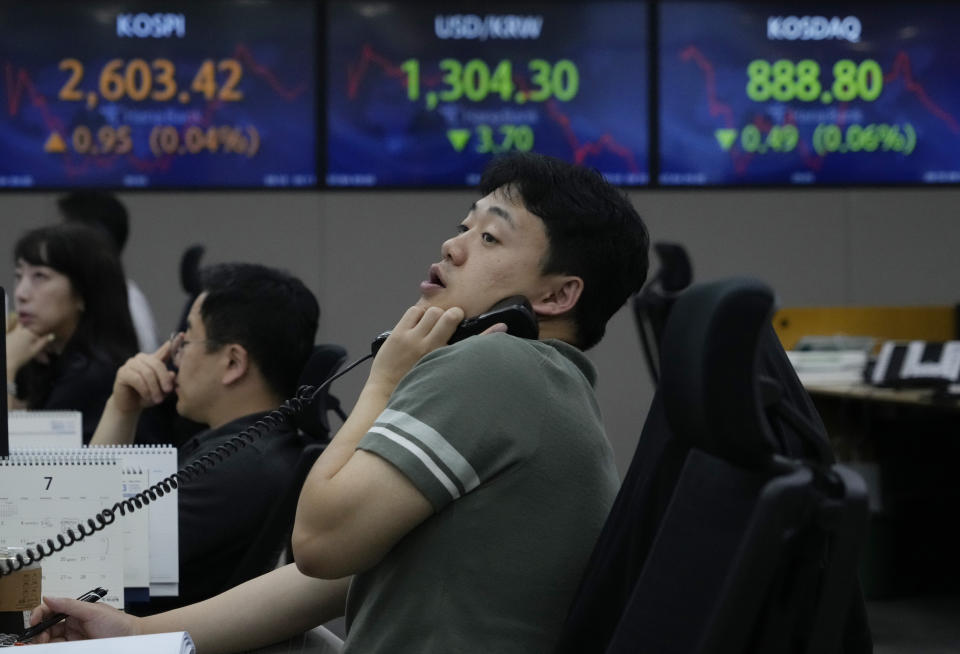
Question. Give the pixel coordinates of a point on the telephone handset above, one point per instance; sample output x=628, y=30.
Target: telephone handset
x=515, y=312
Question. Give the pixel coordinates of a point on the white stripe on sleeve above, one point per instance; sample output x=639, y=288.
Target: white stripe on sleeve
x=432, y=439
x=418, y=452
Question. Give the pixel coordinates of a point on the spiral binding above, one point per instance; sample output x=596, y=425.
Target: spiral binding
x=276, y=418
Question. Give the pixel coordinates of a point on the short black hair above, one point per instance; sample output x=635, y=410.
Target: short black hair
x=272, y=314
x=86, y=257
x=593, y=230
x=100, y=210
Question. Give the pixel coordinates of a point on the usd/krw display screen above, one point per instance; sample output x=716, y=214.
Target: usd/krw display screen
x=796, y=93
x=171, y=94
x=424, y=94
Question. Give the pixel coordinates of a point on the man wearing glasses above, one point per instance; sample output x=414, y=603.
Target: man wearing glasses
x=235, y=363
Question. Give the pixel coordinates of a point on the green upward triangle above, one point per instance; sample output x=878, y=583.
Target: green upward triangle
x=458, y=138
x=725, y=137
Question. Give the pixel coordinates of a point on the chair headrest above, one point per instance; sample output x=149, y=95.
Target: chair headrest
x=675, y=272
x=190, y=269
x=325, y=360
x=709, y=383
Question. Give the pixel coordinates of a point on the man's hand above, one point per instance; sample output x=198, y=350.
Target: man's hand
x=352, y=496
x=354, y=506
x=22, y=346
x=143, y=381
x=85, y=620
x=418, y=333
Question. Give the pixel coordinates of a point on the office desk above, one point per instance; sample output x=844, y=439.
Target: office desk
x=861, y=419
x=906, y=444
x=866, y=393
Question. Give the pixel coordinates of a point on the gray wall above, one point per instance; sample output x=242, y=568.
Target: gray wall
x=364, y=254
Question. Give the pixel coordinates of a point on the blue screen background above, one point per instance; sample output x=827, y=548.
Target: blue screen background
x=377, y=136
x=273, y=42
x=705, y=48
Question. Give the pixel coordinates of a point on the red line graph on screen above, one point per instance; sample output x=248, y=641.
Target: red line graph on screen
x=244, y=53
x=741, y=160
x=17, y=83
x=21, y=89
x=901, y=69
x=356, y=73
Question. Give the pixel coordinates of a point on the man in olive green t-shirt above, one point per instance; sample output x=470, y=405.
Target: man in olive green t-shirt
x=465, y=491
x=503, y=437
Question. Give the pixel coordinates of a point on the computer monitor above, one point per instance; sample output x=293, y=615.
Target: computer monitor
x=425, y=94
x=816, y=94
x=178, y=94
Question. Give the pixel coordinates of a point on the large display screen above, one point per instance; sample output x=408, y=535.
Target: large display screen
x=424, y=94
x=801, y=93
x=146, y=94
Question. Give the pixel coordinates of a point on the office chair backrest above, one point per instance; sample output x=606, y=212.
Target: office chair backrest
x=710, y=383
x=190, y=280
x=729, y=388
x=651, y=305
x=273, y=540
x=324, y=362
x=715, y=438
x=274, y=535
x=676, y=271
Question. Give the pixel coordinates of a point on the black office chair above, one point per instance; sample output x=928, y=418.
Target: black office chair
x=190, y=280
x=733, y=530
x=273, y=539
x=314, y=420
x=651, y=304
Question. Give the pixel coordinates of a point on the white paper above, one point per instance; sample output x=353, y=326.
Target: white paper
x=174, y=642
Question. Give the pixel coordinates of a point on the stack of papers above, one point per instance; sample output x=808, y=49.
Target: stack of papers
x=34, y=429
x=829, y=368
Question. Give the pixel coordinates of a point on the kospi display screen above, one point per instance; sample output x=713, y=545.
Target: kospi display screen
x=423, y=94
x=800, y=93
x=172, y=94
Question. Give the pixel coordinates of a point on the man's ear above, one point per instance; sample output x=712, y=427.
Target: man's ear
x=238, y=362
x=561, y=297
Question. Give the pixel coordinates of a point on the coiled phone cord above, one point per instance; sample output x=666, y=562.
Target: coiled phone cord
x=289, y=410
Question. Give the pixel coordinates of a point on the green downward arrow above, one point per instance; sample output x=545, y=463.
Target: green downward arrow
x=458, y=138
x=725, y=137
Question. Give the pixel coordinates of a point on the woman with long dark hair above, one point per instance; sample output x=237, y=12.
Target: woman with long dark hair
x=72, y=328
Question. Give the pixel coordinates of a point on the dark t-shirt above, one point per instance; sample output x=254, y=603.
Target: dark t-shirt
x=222, y=510
x=73, y=381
